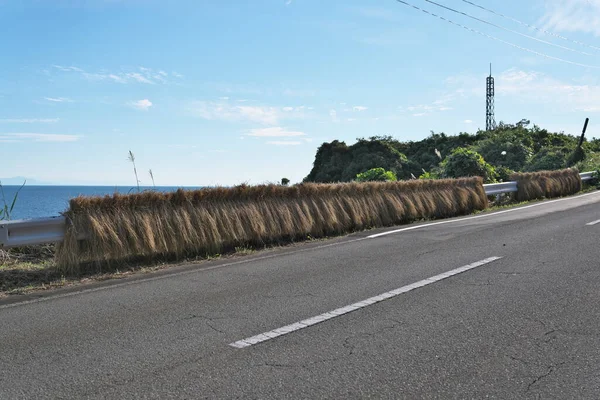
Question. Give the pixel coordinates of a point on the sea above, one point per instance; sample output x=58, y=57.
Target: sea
x=50, y=201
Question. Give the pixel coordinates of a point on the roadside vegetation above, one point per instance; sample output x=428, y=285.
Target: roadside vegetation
x=376, y=182
x=7, y=206
x=203, y=222
x=492, y=155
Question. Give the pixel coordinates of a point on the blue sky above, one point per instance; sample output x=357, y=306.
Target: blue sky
x=230, y=91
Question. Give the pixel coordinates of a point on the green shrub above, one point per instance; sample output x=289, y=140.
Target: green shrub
x=590, y=163
x=577, y=156
x=429, y=175
x=376, y=175
x=547, y=159
x=463, y=162
x=504, y=173
x=504, y=151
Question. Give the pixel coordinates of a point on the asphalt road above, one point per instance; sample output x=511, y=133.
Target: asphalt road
x=526, y=325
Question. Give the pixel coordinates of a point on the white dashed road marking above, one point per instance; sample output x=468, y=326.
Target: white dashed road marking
x=593, y=223
x=263, y=337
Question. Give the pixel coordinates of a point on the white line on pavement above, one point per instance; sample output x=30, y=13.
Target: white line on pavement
x=410, y=228
x=593, y=223
x=263, y=337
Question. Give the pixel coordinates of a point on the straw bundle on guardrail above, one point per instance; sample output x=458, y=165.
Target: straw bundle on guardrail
x=213, y=220
x=546, y=184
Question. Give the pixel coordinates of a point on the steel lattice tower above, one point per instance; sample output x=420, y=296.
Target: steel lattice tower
x=490, y=121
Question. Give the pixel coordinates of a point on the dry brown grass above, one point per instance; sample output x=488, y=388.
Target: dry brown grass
x=24, y=266
x=183, y=224
x=546, y=184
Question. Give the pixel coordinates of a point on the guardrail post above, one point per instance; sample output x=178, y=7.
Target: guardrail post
x=3, y=235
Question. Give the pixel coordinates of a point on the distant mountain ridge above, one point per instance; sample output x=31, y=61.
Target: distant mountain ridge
x=18, y=180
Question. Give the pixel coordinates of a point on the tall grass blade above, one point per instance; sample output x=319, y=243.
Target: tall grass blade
x=12, y=206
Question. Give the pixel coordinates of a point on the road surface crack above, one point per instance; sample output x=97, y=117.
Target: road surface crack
x=207, y=320
x=551, y=369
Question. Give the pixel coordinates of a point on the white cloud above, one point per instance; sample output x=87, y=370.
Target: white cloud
x=440, y=104
x=333, y=115
x=299, y=92
x=534, y=88
x=177, y=75
x=139, y=78
x=143, y=105
x=229, y=112
x=59, y=99
x=359, y=108
x=288, y=2
x=571, y=16
x=145, y=75
x=468, y=121
x=283, y=143
x=275, y=131
x=299, y=109
x=265, y=115
x=427, y=108
x=116, y=78
x=37, y=137
x=60, y=67
x=29, y=120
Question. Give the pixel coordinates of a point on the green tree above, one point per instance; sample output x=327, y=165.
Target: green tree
x=463, y=162
x=336, y=162
x=577, y=156
x=422, y=154
x=367, y=154
x=504, y=150
x=590, y=163
x=285, y=181
x=510, y=147
x=330, y=161
x=376, y=174
x=548, y=159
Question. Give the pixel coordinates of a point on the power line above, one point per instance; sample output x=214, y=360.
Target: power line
x=531, y=26
x=498, y=39
x=507, y=29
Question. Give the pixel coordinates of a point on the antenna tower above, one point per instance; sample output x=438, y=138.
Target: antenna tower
x=490, y=121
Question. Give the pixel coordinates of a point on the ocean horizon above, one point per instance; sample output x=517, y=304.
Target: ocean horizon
x=39, y=201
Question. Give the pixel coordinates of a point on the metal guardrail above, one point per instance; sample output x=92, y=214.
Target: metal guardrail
x=499, y=188
x=33, y=231
x=52, y=230
x=587, y=176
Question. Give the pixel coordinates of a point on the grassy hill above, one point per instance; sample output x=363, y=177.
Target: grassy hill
x=494, y=155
